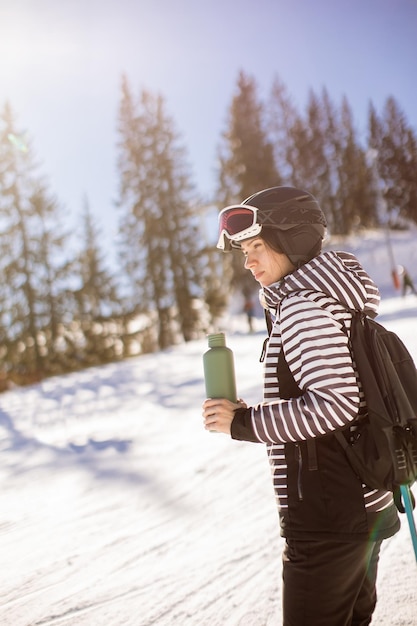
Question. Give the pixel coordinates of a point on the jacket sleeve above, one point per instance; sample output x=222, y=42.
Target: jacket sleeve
x=317, y=352
x=242, y=426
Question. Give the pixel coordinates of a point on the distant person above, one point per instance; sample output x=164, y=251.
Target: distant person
x=332, y=523
x=407, y=283
x=250, y=312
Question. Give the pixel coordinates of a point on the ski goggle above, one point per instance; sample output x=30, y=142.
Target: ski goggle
x=237, y=222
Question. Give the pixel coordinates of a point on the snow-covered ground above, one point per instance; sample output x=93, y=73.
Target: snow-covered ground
x=118, y=508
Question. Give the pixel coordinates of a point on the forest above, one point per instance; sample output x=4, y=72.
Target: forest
x=63, y=309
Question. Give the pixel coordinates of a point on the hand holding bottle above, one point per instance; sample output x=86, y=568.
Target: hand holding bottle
x=218, y=414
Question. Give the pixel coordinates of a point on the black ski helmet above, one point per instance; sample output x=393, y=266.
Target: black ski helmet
x=296, y=218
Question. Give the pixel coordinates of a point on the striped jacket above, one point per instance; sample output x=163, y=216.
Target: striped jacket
x=311, y=326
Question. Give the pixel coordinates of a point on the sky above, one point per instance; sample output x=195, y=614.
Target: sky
x=61, y=65
x=119, y=509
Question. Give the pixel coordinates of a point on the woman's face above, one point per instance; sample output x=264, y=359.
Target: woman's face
x=266, y=265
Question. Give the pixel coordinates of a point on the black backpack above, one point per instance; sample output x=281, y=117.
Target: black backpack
x=383, y=449
x=381, y=446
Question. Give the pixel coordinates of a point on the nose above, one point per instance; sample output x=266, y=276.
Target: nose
x=248, y=261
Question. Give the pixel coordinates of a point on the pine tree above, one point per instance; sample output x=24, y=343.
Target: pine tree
x=309, y=137
x=329, y=188
x=97, y=297
x=98, y=308
x=159, y=242
x=246, y=154
x=395, y=144
x=282, y=120
x=303, y=145
x=355, y=194
x=246, y=163
x=32, y=254
x=323, y=156
x=409, y=170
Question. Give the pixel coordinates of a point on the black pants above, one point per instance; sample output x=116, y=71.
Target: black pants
x=329, y=583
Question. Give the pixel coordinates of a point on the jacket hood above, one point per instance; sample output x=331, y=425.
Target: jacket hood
x=336, y=274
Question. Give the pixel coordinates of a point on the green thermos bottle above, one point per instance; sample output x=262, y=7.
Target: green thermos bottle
x=219, y=369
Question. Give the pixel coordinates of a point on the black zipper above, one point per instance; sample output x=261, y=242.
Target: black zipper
x=299, y=459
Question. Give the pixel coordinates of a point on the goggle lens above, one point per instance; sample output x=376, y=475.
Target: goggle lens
x=237, y=223
x=233, y=221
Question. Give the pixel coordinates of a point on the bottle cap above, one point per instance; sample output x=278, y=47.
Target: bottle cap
x=216, y=340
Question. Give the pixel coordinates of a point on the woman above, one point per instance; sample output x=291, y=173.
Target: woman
x=332, y=523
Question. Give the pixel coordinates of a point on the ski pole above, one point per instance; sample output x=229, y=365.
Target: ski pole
x=405, y=494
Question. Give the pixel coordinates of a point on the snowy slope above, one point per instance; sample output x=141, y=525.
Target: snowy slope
x=117, y=508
